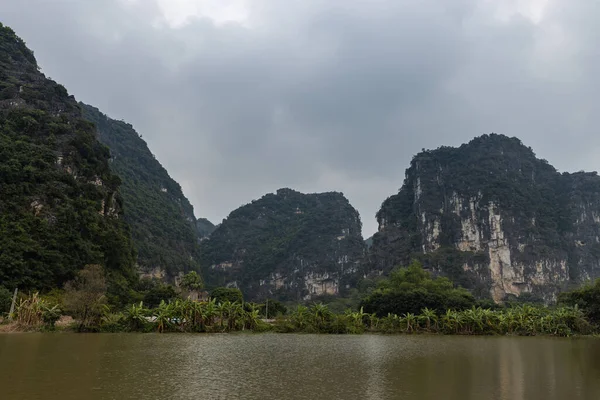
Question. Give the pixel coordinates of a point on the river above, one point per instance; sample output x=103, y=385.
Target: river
x=289, y=366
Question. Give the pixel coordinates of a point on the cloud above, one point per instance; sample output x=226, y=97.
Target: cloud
x=239, y=98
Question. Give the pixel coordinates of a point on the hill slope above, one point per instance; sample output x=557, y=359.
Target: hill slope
x=204, y=227
x=288, y=245
x=493, y=217
x=161, y=218
x=59, y=200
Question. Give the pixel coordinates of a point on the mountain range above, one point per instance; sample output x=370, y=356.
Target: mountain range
x=79, y=188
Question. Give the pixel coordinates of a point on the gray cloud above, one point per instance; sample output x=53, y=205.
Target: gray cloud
x=325, y=95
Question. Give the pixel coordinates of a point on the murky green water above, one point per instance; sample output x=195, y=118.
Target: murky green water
x=138, y=366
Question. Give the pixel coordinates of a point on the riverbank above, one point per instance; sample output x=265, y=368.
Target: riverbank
x=208, y=317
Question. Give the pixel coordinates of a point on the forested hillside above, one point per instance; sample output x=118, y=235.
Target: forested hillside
x=288, y=245
x=204, y=227
x=494, y=218
x=161, y=218
x=59, y=203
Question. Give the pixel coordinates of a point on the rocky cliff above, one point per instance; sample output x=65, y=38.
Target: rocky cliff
x=162, y=219
x=287, y=245
x=60, y=208
x=495, y=219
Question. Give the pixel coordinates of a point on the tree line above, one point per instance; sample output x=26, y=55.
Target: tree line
x=409, y=301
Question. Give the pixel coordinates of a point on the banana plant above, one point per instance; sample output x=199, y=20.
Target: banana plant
x=163, y=316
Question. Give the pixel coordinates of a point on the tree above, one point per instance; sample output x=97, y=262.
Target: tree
x=155, y=292
x=85, y=296
x=223, y=294
x=192, y=281
x=275, y=308
x=586, y=298
x=411, y=289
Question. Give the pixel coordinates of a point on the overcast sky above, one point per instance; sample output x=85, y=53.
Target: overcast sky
x=238, y=98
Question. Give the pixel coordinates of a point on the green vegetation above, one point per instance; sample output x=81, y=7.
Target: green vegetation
x=59, y=200
x=5, y=300
x=34, y=312
x=162, y=221
x=211, y=316
x=546, y=216
x=204, y=227
x=153, y=291
x=85, y=296
x=288, y=234
x=409, y=290
x=521, y=320
x=452, y=311
x=223, y=294
x=272, y=308
x=192, y=281
x=587, y=298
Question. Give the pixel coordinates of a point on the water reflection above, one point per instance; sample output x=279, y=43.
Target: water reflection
x=121, y=366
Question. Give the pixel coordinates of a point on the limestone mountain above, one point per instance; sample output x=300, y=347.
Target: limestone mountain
x=161, y=218
x=495, y=219
x=60, y=208
x=204, y=227
x=287, y=245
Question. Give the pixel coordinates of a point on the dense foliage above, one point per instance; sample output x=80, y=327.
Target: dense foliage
x=204, y=227
x=287, y=233
x=85, y=296
x=521, y=320
x=191, y=281
x=59, y=204
x=177, y=315
x=5, y=300
x=154, y=291
x=161, y=218
x=411, y=289
x=586, y=298
x=222, y=294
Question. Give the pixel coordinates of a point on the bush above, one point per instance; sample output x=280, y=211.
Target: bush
x=85, y=297
x=35, y=312
x=223, y=294
x=586, y=298
x=156, y=292
x=409, y=290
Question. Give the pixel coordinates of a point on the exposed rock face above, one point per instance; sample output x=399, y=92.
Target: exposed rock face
x=495, y=219
x=287, y=245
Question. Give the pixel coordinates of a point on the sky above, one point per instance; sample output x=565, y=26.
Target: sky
x=237, y=98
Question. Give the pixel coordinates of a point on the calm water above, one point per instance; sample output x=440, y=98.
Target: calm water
x=137, y=366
